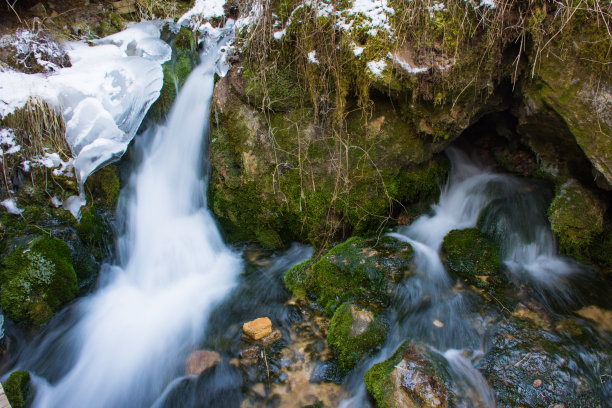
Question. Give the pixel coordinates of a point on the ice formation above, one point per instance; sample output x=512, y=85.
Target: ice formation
x=103, y=97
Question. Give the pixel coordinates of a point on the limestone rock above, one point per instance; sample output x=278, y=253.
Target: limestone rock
x=258, y=328
x=200, y=361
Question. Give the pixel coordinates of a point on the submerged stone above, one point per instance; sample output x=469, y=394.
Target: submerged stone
x=529, y=367
x=200, y=361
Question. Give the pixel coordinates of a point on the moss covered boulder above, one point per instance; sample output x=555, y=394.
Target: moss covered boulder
x=474, y=257
x=577, y=217
x=18, y=389
x=413, y=377
x=356, y=269
x=36, y=279
x=353, y=331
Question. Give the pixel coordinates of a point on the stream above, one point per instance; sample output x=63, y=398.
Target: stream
x=175, y=287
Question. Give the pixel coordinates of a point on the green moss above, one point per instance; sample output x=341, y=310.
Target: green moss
x=176, y=71
x=576, y=216
x=414, y=376
x=474, y=257
x=295, y=279
x=353, y=331
x=356, y=269
x=104, y=187
x=18, y=389
x=377, y=379
x=36, y=280
x=281, y=90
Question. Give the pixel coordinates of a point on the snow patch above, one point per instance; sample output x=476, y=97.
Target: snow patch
x=56, y=202
x=32, y=48
x=406, y=66
x=103, y=97
x=11, y=206
x=357, y=50
x=203, y=10
x=377, y=67
x=278, y=35
x=312, y=57
x=8, y=145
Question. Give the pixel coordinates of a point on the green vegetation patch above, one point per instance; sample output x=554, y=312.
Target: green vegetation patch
x=353, y=331
x=356, y=269
x=18, y=389
x=577, y=217
x=36, y=280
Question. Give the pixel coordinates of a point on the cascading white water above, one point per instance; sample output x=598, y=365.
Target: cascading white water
x=527, y=249
x=133, y=333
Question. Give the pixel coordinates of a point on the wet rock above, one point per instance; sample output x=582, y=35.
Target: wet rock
x=353, y=331
x=200, y=361
x=271, y=338
x=258, y=328
x=413, y=377
x=530, y=367
x=475, y=258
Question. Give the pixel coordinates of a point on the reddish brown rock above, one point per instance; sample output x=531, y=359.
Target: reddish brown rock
x=258, y=328
x=200, y=361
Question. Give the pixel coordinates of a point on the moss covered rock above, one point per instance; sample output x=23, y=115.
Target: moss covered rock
x=104, y=187
x=474, y=257
x=413, y=377
x=356, y=269
x=37, y=278
x=353, y=331
x=577, y=217
x=18, y=389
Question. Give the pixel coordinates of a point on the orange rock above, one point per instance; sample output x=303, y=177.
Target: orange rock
x=200, y=361
x=258, y=328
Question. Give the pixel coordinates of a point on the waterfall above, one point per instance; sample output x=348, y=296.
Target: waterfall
x=123, y=344
x=507, y=207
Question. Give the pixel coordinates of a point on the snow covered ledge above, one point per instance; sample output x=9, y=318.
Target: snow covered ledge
x=103, y=96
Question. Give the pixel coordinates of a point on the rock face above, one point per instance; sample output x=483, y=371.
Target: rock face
x=200, y=361
x=258, y=328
